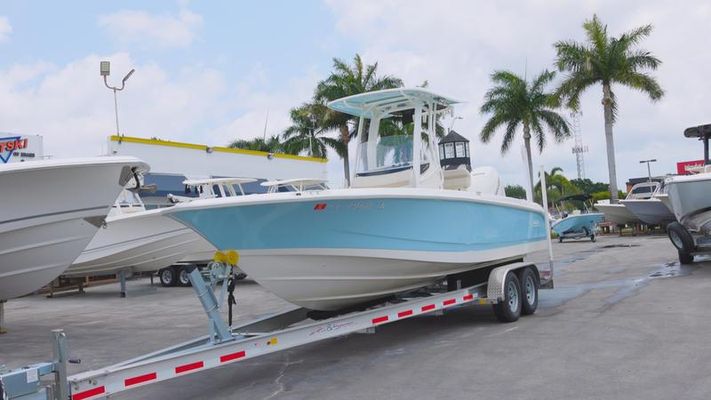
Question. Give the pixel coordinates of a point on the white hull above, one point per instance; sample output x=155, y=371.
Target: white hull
x=650, y=211
x=51, y=210
x=617, y=213
x=140, y=242
x=691, y=201
x=328, y=279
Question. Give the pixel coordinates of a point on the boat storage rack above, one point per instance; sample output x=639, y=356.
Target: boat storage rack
x=226, y=345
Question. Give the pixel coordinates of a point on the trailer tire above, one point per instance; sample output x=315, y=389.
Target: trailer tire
x=681, y=238
x=183, y=277
x=685, y=258
x=560, y=239
x=529, y=291
x=168, y=276
x=509, y=309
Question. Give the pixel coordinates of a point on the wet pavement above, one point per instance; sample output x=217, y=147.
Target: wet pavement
x=625, y=321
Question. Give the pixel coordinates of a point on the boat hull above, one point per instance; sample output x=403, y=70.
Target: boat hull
x=650, y=211
x=51, y=210
x=332, y=249
x=617, y=213
x=141, y=242
x=690, y=200
x=574, y=224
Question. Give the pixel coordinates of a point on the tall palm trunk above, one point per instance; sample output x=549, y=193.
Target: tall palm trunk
x=527, y=142
x=345, y=138
x=607, y=105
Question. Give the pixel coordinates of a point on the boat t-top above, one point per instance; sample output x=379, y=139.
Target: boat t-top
x=396, y=227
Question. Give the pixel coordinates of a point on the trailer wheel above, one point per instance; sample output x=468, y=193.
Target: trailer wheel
x=560, y=239
x=183, y=277
x=681, y=238
x=592, y=238
x=529, y=291
x=685, y=258
x=509, y=310
x=168, y=276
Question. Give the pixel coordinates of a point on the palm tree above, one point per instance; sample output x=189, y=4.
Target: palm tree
x=607, y=60
x=347, y=80
x=270, y=145
x=514, y=101
x=307, y=133
x=557, y=186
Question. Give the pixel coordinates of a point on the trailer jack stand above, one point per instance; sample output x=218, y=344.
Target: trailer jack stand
x=218, y=271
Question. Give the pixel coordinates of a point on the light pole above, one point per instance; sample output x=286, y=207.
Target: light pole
x=105, y=71
x=451, y=124
x=649, y=171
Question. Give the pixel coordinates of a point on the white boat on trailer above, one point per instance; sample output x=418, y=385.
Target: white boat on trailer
x=688, y=196
x=134, y=239
x=50, y=211
x=393, y=230
x=619, y=213
x=651, y=211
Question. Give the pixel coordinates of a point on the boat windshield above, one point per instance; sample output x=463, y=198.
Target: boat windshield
x=391, y=152
x=390, y=149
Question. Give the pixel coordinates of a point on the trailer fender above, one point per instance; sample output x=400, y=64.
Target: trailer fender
x=497, y=278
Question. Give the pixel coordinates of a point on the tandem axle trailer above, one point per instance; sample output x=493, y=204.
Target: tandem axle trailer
x=512, y=289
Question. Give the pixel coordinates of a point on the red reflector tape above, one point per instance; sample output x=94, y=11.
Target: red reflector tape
x=402, y=314
x=428, y=307
x=188, y=367
x=320, y=206
x=380, y=319
x=140, y=379
x=468, y=297
x=89, y=393
x=449, y=301
x=232, y=356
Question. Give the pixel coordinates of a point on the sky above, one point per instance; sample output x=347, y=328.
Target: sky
x=210, y=72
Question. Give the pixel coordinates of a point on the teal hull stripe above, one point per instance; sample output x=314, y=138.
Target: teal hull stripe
x=387, y=224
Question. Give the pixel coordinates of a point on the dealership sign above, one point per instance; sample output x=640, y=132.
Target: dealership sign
x=14, y=148
x=688, y=167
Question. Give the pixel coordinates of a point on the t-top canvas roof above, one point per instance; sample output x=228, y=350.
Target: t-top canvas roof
x=385, y=102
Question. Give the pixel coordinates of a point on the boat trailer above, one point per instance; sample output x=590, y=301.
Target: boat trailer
x=227, y=344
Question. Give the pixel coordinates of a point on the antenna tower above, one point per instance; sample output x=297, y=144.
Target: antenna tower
x=579, y=149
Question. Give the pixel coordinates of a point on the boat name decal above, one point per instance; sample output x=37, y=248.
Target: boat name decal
x=367, y=205
x=8, y=145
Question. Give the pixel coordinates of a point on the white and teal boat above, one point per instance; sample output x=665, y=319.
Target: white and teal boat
x=396, y=228
x=577, y=224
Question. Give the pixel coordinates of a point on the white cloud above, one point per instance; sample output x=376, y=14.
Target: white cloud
x=5, y=29
x=457, y=46
x=145, y=29
x=72, y=109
